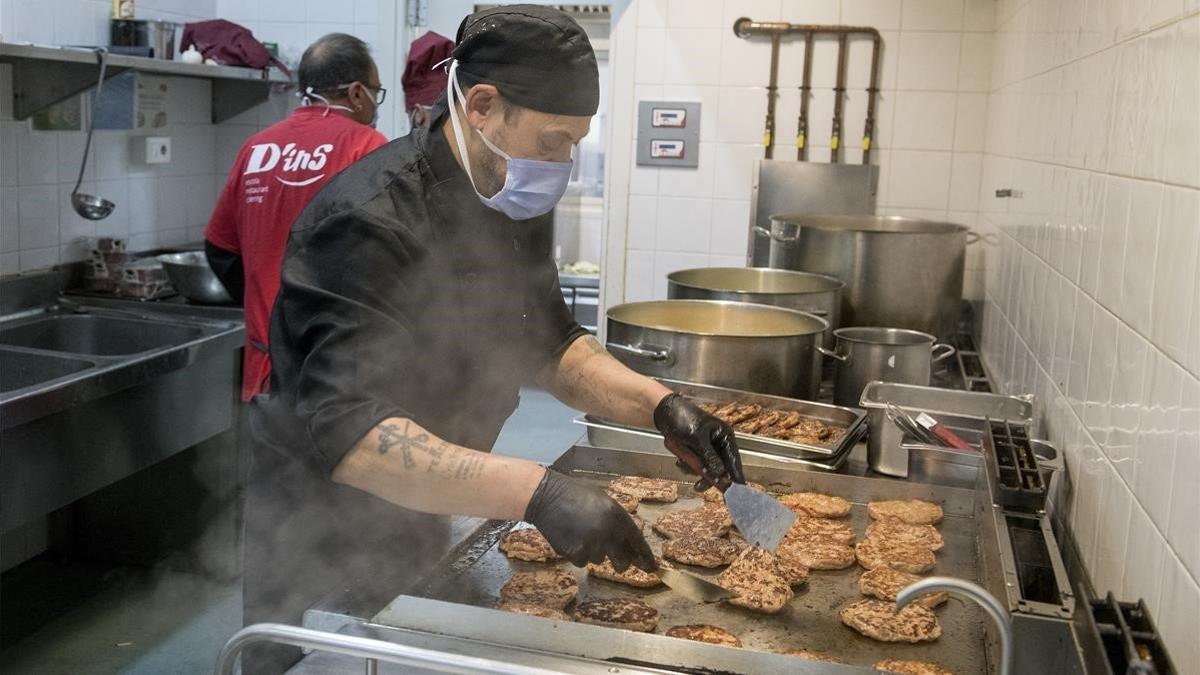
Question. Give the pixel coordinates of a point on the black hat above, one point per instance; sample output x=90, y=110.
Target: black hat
x=537, y=56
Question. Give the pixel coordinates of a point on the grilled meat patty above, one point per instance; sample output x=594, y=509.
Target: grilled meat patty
x=699, y=550
x=914, y=559
x=759, y=422
x=816, y=505
x=757, y=581
x=879, y=620
x=897, y=531
x=902, y=667
x=715, y=496
x=912, y=511
x=528, y=544
x=815, y=554
x=632, y=576
x=626, y=613
x=625, y=500
x=821, y=529
x=533, y=610
x=738, y=413
x=885, y=583
x=549, y=588
x=710, y=520
x=646, y=489
x=812, y=655
x=701, y=632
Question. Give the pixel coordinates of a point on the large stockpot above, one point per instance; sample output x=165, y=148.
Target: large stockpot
x=866, y=354
x=900, y=272
x=815, y=294
x=769, y=350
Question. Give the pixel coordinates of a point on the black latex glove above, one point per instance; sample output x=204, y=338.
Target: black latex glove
x=585, y=525
x=709, y=438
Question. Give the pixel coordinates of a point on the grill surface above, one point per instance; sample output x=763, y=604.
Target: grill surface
x=476, y=570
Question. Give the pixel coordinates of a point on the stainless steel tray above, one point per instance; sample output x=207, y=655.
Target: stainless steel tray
x=475, y=572
x=852, y=419
x=603, y=434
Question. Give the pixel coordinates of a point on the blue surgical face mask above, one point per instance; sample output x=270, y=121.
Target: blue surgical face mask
x=531, y=187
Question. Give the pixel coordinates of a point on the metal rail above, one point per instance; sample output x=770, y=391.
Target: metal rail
x=373, y=651
x=973, y=592
x=745, y=27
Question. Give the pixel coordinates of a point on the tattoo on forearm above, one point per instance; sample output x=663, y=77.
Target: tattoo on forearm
x=455, y=463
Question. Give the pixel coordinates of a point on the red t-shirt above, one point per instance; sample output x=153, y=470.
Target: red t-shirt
x=276, y=173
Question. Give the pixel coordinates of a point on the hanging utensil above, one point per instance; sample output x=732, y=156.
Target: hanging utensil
x=92, y=207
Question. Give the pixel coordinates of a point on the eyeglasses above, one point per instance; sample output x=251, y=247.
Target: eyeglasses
x=378, y=93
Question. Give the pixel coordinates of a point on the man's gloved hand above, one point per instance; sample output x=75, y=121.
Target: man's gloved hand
x=685, y=425
x=585, y=525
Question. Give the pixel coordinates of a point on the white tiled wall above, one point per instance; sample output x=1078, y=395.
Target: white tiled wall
x=162, y=205
x=1093, y=283
x=930, y=118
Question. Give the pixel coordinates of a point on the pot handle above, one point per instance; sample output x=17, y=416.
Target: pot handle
x=844, y=358
x=648, y=352
x=764, y=232
x=947, y=351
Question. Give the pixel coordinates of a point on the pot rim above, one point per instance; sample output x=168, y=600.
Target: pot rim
x=835, y=284
x=867, y=223
x=822, y=324
x=847, y=335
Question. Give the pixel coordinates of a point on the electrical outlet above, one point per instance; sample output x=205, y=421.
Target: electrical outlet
x=158, y=150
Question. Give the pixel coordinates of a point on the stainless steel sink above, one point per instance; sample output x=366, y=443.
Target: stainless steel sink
x=97, y=335
x=20, y=369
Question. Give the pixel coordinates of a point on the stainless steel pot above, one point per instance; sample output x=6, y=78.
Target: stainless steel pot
x=815, y=294
x=739, y=345
x=899, y=272
x=888, y=354
x=193, y=278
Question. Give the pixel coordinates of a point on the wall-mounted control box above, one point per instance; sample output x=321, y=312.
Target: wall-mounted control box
x=668, y=133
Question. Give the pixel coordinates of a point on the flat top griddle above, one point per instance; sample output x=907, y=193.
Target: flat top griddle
x=475, y=571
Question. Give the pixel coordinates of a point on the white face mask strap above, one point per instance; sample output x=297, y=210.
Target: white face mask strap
x=309, y=94
x=455, y=96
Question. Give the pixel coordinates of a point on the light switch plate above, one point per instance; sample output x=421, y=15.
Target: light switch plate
x=669, y=133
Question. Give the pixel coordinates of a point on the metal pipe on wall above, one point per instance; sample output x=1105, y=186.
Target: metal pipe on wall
x=839, y=94
x=805, y=94
x=744, y=27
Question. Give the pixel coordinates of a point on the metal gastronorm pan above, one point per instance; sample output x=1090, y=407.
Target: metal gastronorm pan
x=853, y=419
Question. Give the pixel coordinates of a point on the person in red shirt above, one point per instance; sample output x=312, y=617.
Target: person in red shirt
x=278, y=171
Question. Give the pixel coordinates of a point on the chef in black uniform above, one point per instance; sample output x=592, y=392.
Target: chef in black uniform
x=412, y=308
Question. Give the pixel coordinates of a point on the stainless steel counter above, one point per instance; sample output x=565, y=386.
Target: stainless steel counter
x=99, y=391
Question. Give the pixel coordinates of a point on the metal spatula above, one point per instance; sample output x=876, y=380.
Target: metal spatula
x=761, y=519
x=691, y=586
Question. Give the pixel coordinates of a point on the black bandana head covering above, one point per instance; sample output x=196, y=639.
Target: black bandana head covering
x=537, y=56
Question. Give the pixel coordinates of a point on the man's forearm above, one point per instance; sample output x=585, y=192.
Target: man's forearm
x=588, y=378
x=405, y=464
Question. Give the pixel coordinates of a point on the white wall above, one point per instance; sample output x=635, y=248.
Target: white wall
x=1093, y=289
x=929, y=120
x=163, y=205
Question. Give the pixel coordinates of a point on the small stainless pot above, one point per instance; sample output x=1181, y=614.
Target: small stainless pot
x=869, y=353
x=758, y=348
x=815, y=294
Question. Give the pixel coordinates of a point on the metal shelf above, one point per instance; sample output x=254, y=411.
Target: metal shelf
x=43, y=76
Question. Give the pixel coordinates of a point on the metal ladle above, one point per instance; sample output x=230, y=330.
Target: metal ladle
x=973, y=592
x=91, y=206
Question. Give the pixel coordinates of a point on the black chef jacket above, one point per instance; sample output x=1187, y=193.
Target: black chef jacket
x=402, y=295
